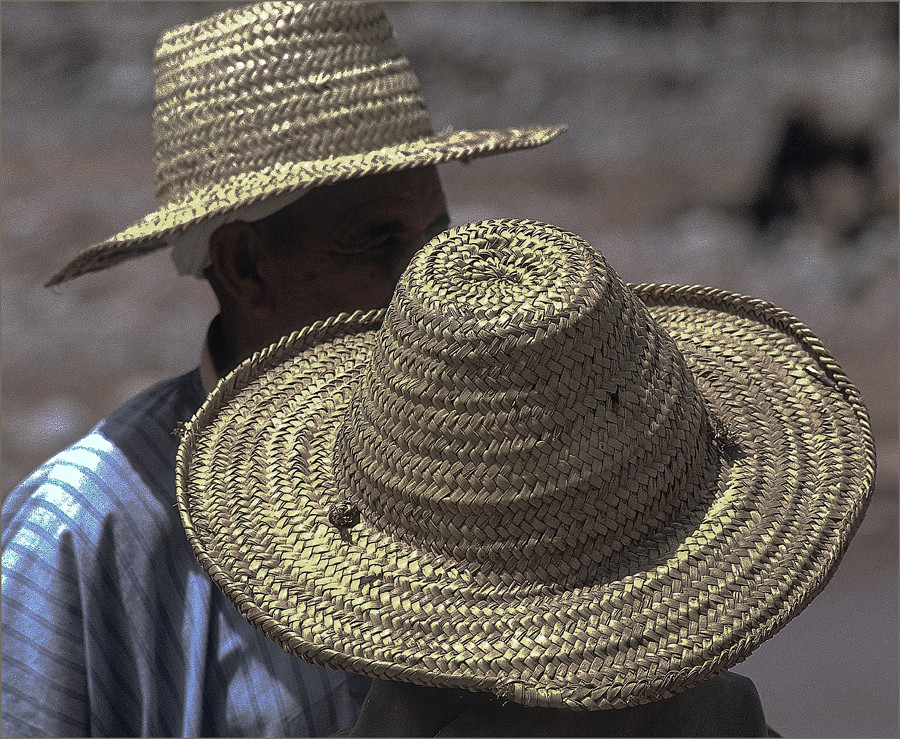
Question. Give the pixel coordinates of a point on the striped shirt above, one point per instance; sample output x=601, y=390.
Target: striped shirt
x=109, y=625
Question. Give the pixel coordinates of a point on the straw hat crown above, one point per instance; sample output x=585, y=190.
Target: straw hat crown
x=295, y=81
x=521, y=411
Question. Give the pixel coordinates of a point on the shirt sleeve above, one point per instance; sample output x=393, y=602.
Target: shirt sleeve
x=97, y=604
x=44, y=666
x=110, y=626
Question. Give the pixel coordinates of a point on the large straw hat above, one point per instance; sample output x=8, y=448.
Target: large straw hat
x=530, y=479
x=264, y=99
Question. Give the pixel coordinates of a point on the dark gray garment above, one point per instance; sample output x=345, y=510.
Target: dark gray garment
x=726, y=705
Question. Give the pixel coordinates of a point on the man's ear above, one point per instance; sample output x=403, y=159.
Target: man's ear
x=235, y=252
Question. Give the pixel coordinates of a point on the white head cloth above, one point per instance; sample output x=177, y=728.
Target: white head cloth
x=190, y=248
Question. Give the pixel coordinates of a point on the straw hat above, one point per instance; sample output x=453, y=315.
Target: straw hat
x=265, y=99
x=529, y=478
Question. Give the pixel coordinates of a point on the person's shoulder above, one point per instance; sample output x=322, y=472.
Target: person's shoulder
x=72, y=494
x=99, y=477
x=173, y=394
x=725, y=705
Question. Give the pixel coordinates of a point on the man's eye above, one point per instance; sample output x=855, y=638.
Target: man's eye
x=362, y=246
x=387, y=243
x=388, y=240
x=384, y=244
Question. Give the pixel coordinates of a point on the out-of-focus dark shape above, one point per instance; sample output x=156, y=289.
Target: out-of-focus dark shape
x=650, y=14
x=823, y=180
x=785, y=18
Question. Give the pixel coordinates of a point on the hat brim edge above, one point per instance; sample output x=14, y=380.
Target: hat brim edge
x=687, y=676
x=149, y=234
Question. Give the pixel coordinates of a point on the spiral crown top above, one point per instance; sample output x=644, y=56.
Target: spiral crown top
x=516, y=395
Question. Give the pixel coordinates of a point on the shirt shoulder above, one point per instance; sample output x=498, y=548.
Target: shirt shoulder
x=127, y=456
x=115, y=482
x=86, y=556
x=111, y=627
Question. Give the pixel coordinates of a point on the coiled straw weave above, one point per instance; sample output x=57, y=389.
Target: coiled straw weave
x=528, y=478
x=263, y=99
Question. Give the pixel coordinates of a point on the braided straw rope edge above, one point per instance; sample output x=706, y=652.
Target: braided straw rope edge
x=713, y=298
x=149, y=234
x=628, y=691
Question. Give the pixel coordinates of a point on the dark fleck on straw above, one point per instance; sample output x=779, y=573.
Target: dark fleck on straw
x=820, y=376
x=723, y=440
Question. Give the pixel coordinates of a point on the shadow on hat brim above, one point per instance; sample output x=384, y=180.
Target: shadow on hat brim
x=149, y=234
x=795, y=480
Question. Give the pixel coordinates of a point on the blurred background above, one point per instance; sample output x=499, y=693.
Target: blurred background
x=747, y=146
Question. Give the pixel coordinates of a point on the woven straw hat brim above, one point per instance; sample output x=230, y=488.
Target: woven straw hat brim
x=149, y=234
x=255, y=484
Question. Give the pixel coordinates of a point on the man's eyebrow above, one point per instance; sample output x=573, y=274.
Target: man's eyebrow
x=382, y=228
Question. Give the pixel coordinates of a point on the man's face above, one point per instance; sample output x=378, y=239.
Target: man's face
x=352, y=241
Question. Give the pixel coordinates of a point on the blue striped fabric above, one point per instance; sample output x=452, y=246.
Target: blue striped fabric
x=109, y=625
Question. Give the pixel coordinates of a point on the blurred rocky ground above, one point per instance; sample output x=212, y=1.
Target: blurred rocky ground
x=748, y=146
